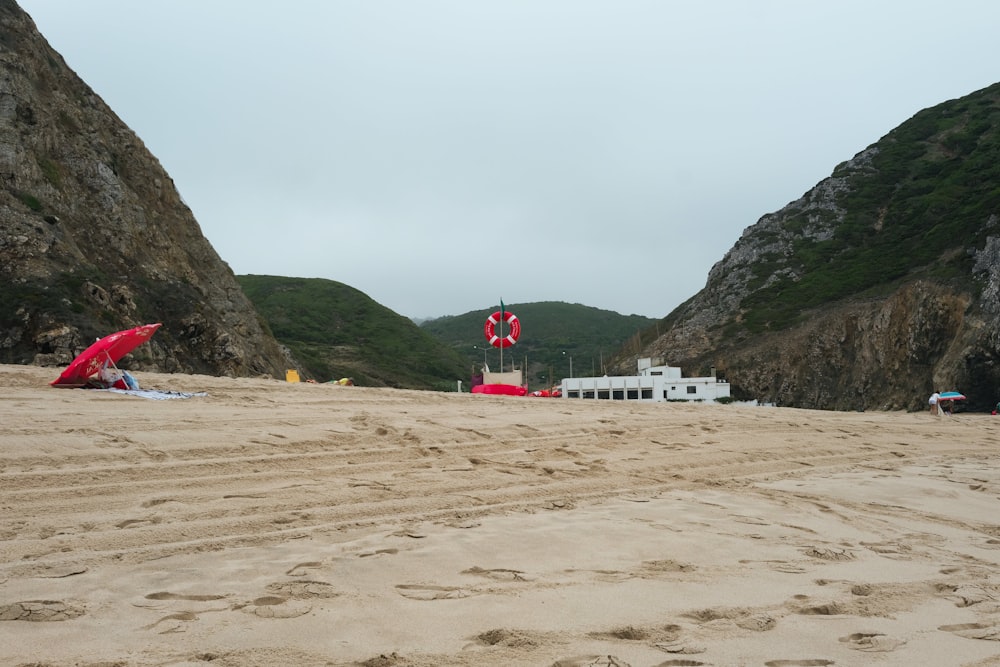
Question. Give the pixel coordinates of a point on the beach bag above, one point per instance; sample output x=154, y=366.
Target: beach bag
x=130, y=381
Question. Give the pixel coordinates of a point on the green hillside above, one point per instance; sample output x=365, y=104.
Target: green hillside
x=874, y=288
x=932, y=185
x=337, y=331
x=552, y=334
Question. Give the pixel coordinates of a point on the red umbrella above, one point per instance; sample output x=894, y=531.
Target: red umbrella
x=109, y=349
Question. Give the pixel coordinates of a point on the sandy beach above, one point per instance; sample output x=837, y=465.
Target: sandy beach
x=267, y=523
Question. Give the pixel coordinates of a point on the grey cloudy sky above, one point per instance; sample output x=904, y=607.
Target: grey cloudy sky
x=440, y=155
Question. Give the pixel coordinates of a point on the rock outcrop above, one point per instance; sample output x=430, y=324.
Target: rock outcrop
x=94, y=236
x=875, y=288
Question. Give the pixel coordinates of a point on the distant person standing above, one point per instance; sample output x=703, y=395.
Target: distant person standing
x=932, y=403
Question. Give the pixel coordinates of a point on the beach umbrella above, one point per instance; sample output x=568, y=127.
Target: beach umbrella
x=952, y=396
x=107, y=350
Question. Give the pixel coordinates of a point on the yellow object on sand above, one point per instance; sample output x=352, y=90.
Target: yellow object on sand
x=291, y=375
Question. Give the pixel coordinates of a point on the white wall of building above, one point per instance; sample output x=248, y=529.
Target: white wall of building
x=654, y=383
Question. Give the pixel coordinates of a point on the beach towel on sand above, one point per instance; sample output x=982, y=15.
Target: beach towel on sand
x=155, y=394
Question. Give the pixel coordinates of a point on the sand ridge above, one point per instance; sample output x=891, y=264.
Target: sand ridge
x=269, y=523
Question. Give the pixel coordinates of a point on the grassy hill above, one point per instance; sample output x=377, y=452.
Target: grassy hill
x=932, y=187
x=337, y=331
x=876, y=287
x=553, y=335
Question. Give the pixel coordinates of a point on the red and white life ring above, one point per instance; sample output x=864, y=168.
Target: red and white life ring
x=491, y=326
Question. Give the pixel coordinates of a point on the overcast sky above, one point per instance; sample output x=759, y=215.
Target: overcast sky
x=442, y=155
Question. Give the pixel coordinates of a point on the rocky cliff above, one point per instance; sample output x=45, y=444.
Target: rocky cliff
x=873, y=289
x=94, y=236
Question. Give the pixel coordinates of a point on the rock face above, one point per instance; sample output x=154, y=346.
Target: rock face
x=94, y=236
x=877, y=287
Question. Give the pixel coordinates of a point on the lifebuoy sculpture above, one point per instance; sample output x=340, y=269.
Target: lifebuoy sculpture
x=491, y=329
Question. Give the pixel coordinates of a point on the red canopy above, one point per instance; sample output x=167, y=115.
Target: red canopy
x=106, y=350
x=506, y=389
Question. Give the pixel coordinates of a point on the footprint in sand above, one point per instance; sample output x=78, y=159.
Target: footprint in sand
x=890, y=549
x=744, y=618
x=818, y=662
x=504, y=637
x=974, y=631
x=786, y=567
x=591, y=661
x=628, y=632
x=184, y=609
x=828, y=609
x=173, y=622
x=274, y=606
x=299, y=570
x=178, y=596
x=872, y=642
x=40, y=611
x=420, y=592
x=966, y=595
x=558, y=505
x=758, y=622
x=680, y=647
x=499, y=574
x=378, y=552
x=671, y=641
x=303, y=590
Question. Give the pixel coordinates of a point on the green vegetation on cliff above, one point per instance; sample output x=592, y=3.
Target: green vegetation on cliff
x=926, y=198
x=337, y=331
x=874, y=288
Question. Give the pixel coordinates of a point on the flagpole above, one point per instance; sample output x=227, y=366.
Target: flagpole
x=501, y=334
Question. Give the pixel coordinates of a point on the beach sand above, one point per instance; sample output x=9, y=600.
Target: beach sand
x=268, y=523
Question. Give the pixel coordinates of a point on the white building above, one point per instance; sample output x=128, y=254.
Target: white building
x=653, y=383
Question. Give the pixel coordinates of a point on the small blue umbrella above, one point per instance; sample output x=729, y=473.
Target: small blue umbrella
x=952, y=396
